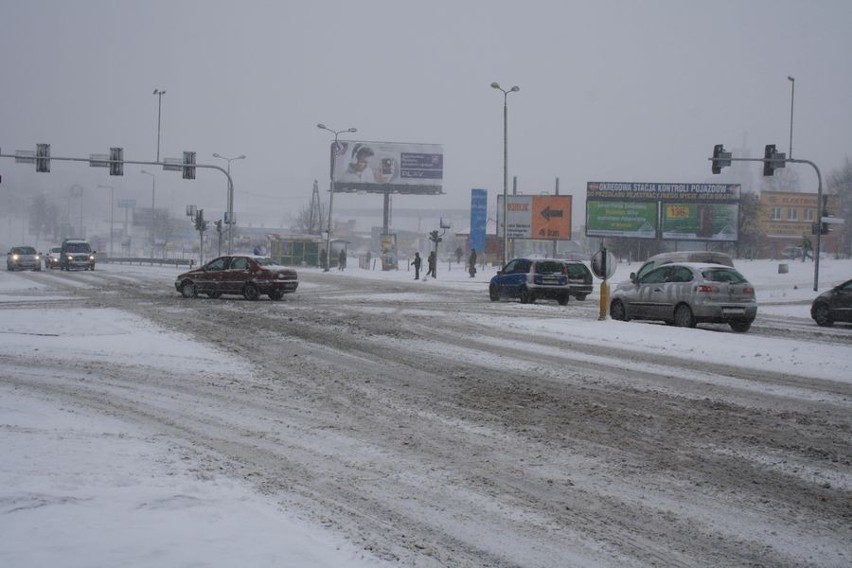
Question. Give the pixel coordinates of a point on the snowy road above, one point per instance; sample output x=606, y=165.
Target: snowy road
x=434, y=428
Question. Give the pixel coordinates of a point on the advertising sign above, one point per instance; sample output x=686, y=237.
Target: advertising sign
x=700, y=221
x=478, y=218
x=545, y=217
x=387, y=167
x=679, y=211
x=621, y=219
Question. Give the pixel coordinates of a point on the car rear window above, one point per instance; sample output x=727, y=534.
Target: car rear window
x=577, y=270
x=723, y=275
x=549, y=267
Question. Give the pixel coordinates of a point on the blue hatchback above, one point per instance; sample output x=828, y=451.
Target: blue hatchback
x=529, y=279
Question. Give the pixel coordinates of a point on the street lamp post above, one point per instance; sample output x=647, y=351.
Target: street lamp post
x=230, y=216
x=505, y=92
x=792, y=96
x=331, y=194
x=111, y=210
x=153, y=210
x=159, y=93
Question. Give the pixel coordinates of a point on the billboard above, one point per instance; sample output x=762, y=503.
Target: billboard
x=679, y=211
x=387, y=167
x=545, y=217
x=478, y=218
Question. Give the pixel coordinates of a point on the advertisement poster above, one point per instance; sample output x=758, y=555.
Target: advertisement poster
x=544, y=217
x=387, y=167
x=478, y=218
x=700, y=221
x=621, y=219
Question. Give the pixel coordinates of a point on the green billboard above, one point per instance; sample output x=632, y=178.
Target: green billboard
x=636, y=219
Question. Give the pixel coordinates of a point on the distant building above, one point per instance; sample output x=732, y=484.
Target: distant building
x=786, y=216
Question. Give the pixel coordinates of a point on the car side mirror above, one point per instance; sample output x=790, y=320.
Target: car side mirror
x=499, y=273
x=633, y=277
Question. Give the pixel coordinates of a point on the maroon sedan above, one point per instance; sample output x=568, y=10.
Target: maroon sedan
x=245, y=274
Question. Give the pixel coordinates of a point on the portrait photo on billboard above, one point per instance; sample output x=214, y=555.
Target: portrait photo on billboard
x=388, y=167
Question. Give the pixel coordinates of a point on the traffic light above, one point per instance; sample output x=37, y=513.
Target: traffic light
x=188, y=165
x=824, y=229
x=116, y=161
x=772, y=160
x=43, y=158
x=720, y=159
x=218, y=224
x=200, y=223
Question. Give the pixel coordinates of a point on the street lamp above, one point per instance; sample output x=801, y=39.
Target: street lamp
x=514, y=89
x=159, y=93
x=230, y=215
x=336, y=133
x=153, y=193
x=792, y=95
x=111, y=209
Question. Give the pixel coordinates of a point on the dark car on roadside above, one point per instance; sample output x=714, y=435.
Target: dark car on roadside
x=23, y=258
x=579, y=279
x=250, y=276
x=833, y=305
x=686, y=294
x=530, y=279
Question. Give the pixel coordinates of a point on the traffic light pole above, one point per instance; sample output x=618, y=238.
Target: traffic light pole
x=116, y=165
x=819, y=203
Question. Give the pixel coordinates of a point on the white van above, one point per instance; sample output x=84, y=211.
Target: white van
x=682, y=256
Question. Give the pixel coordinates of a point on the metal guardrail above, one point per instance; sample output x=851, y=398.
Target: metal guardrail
x=141, y=260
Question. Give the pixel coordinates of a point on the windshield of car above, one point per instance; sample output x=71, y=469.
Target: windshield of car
x=723, y=275
x=77, y=247
x=23, y=250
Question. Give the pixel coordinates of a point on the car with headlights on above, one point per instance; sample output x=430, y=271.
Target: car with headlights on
x=51, y=259
x=686, y=294
x=23, y=258
x=530, y=279
x=76, y=254
x=833, y=305
x=250, y=276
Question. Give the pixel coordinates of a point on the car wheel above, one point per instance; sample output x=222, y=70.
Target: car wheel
x=276, y=295
x=580, y=297
x=617, y=311
x=494, y=292
x=563, y=299
x=683, y=316
x=526, y=296
x=822, y=315
x=188, y=290
x=214, y=295
x=740, y=326
x=250, y=292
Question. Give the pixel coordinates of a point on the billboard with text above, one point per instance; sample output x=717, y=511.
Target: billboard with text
x=545, y=217
x=387, y=167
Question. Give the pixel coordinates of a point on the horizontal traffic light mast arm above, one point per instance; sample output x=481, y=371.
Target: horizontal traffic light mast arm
x=107, y=162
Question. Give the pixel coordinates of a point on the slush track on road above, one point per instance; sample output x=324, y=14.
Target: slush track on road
x=431, y=439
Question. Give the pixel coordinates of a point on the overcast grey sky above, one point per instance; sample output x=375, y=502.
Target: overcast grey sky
x=610, y=90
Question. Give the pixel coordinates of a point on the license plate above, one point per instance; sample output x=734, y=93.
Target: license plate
x=733, y=311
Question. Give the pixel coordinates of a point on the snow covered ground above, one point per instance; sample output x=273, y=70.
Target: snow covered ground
x=84, y=489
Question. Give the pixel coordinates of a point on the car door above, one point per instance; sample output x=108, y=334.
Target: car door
x=209, y=278
x=841, y=302
x=236, y=275
x=650, y=301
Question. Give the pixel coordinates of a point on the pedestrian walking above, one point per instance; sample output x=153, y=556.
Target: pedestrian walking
x=471, y=263
x=432, y=261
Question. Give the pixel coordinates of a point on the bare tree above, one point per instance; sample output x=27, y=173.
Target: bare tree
x=840, y=183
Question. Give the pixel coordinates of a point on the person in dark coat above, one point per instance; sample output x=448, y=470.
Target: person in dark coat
x=471, y=263
x=416, y=263
x=341, y=260
x=432, y=261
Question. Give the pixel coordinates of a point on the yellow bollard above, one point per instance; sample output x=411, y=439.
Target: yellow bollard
x=604, y=300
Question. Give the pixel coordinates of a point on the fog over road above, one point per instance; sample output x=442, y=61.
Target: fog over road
x=396, y=414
